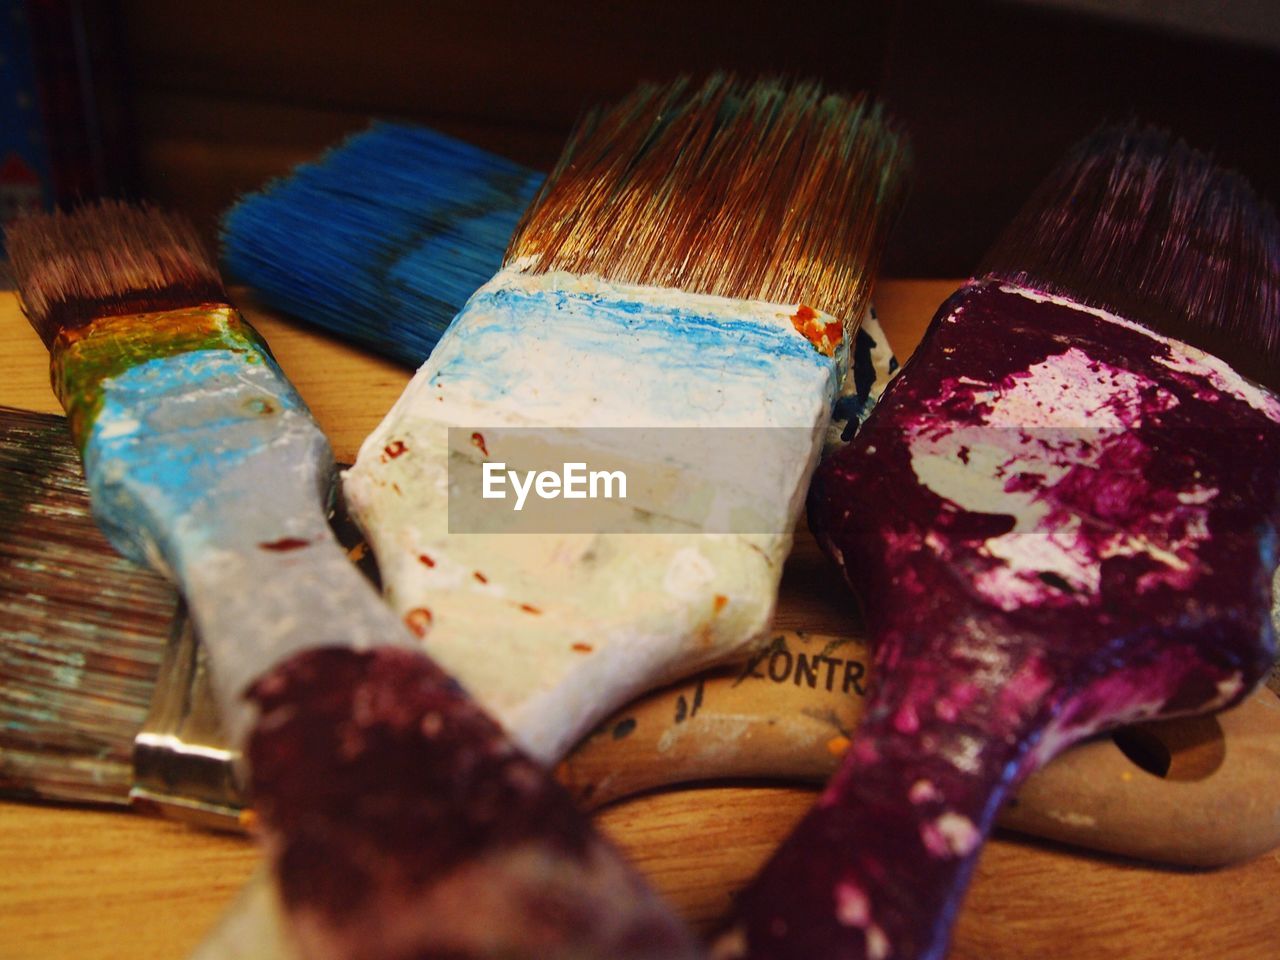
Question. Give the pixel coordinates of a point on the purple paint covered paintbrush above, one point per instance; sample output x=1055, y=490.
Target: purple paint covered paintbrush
x=1061, y=518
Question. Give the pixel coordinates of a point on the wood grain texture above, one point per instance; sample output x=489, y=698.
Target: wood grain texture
x=109, y=886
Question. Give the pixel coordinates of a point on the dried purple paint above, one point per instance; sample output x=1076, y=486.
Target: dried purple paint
x=1109, y=559
x=402, y=823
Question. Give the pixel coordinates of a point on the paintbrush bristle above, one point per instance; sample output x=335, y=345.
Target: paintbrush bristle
x=767, y=191
x=82, y=630
x=383, y=238
x=1154, y=231
x=107, y=259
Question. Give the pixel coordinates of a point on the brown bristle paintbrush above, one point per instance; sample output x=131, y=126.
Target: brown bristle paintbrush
x=71, y=732
x=1077, y=524
x=203, y=462
x=666, y=288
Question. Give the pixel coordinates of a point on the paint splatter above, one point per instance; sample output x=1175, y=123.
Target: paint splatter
x=825, y=335
x=852, y=907
x=284, y=544
x=950, y=835
x=418, y=620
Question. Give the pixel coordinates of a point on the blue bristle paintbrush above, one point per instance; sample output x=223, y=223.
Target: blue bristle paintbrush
x=382, y=238
x=386, y=797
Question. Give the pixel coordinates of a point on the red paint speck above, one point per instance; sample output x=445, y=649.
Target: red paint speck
x=583, y=647
x=286, y=543
x=425, y=560
x=529, y=608
x=720, y=602
x=824, y=336
x=480, y=576
x=395, y=449
x=418, y=620
x=477, y=439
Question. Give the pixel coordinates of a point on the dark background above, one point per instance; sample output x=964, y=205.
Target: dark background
x=191, y=104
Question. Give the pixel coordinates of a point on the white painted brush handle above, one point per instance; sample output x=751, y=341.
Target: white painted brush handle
x=207, y=465
x=257, y=603
x=553, y=630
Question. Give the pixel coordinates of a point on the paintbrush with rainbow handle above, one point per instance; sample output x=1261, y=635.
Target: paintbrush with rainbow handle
x=1077, y=529
x=387, y=798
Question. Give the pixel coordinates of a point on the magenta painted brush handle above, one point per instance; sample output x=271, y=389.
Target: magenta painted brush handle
x=401, y=821
x=1058, y=522
x=912, y=790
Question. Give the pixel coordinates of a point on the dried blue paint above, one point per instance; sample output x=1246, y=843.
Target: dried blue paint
x=171, y=430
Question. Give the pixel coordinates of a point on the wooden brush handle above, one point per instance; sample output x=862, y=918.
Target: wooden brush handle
x=785, y=714
x=1217, y=802
x=774, y=718
x=788, y=714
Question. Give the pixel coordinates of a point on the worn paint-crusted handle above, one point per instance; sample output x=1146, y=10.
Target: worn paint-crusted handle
x=914, y=788
x=717, y=407
x=402, y=822
x=1080, y=536
x=203, y=461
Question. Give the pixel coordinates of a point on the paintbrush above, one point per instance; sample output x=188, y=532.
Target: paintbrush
x=385, y=797
x=786, y=713
x=83, y=629
x=1077, y=522
x=382, y=238
x=656, y=294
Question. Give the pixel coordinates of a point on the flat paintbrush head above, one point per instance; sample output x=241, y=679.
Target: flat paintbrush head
x=766, y=191
x=108, y=259
x=82, y=630
x=1154, y=231
x=382, y=238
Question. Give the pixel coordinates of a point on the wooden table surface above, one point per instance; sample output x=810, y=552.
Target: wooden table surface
x=114, y=886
